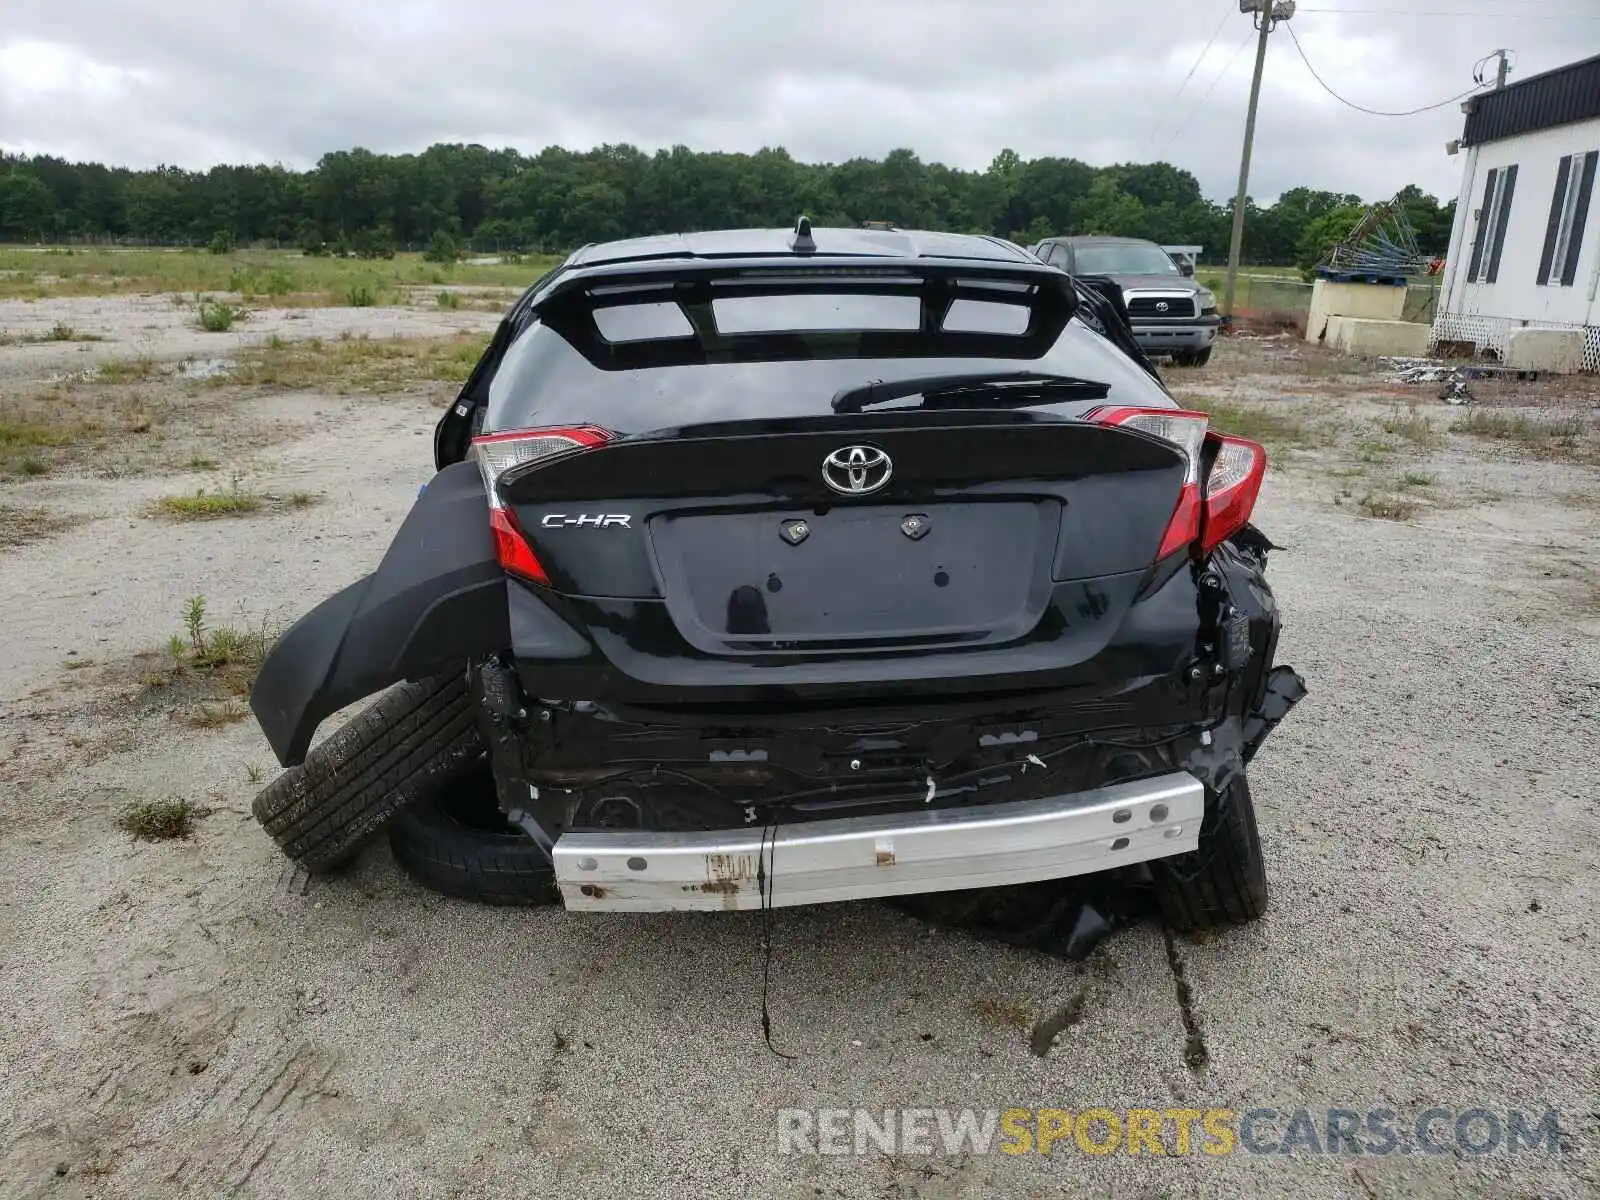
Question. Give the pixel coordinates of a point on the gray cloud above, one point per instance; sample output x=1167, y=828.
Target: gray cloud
x=139, y=82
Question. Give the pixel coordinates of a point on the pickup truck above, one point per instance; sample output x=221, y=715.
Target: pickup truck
x=1170, y=313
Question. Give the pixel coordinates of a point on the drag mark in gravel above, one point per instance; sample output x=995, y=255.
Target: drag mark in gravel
x=1053, y=1026
x=1195, y=1053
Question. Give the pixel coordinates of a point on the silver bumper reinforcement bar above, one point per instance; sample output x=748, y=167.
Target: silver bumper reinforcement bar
x=617, y=870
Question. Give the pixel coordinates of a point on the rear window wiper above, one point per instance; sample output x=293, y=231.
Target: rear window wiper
x=973, y=389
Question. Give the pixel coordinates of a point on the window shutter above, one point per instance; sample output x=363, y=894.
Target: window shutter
x=1579, y=216
x=1552, y=231
x=1483, y=223
x=1499, y=231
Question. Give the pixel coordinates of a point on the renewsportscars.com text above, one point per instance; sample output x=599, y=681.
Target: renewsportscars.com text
x=1172, y=1131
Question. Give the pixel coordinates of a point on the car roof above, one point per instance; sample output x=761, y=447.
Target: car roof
x=1102, y=240
x=827, y=242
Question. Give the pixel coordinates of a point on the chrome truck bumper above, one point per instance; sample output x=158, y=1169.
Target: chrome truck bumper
x=864, y=857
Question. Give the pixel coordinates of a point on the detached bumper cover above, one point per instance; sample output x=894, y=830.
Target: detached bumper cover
x=864, y=857
x=438, y=596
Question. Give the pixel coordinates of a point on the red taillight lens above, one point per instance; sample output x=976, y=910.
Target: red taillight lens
x=1187, y=431
x=1232, y=486
x=497, y=453
x=512, y=548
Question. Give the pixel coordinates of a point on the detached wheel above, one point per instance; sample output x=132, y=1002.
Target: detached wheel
x=1224, y=882
x=355, y=781
x=455, y=840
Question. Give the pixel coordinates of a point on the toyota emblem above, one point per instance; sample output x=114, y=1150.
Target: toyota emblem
x=856, y=470
x=1162, y=306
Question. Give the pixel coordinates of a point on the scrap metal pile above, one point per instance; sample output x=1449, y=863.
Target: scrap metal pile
x=1382, y=244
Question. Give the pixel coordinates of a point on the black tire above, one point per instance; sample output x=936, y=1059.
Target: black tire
x=455, y=840
x=1197, y=358
x=1224, y=882
x=350, y=785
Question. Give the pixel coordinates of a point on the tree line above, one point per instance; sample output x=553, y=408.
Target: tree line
x=496, y=200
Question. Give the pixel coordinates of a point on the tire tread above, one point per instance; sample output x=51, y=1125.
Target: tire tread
x=355, y=781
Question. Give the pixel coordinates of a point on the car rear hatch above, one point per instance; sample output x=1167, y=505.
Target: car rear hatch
x=870, y=533
x=937, y=538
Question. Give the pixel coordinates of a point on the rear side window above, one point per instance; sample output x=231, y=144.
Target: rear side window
x=985, y=316
x=642, y=322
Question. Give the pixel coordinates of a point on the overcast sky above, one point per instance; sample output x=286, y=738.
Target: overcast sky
x=196, y=82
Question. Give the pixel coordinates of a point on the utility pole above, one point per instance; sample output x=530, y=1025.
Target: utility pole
x=1505, y=69
x=1267, y=14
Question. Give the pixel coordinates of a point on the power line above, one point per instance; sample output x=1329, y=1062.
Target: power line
x=1392, y=12
x=1200, y=107
x=1295, y=38
x=1228, y=12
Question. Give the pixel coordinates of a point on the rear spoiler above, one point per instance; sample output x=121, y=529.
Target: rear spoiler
x=568, y=305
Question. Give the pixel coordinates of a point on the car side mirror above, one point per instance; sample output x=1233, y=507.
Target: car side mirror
x=1186, y=269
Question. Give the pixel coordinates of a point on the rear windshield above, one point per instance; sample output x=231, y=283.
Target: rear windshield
x=545, y=380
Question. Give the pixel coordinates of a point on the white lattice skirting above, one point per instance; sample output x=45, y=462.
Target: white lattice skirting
x=1489, y=333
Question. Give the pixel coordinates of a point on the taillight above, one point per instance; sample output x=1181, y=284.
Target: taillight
x=1205, y=517
x=1232, y=486
x=497, y=453
x=1187, y=431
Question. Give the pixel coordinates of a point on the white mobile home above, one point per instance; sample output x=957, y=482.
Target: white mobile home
x=1525, y=249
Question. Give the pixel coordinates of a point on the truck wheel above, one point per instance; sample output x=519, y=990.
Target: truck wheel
x=1224, y=882
x=350, y=784
x=1197, y=358
x=456, y=841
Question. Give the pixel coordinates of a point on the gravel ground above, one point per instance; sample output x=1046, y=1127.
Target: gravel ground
x=191, y=1018
x=164, y=327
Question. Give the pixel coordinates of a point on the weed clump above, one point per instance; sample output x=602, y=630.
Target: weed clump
x=206, y=506
x=217, y=316
x=1388, y=508
x=159, y=820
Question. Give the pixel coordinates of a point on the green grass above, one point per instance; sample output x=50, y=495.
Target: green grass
x=213, y=665
x=1278, y=428
x=19, y=526
x=288, y=277
x=359, y=364
x=217, y=316
x=1387, y=508
x=202, y=505
x=1416, y=479
x=215, y=716
x=26, y=439
x=1412, y=426
x=1371, y=450
x=1562, y=435
x=159, y=820
x=126, y=370
x=59, y=332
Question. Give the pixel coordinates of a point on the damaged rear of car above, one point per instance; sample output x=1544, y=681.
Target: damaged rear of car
x=769, y=568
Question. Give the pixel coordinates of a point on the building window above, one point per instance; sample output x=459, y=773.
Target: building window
x=1569, y=213
x=1493, y=216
